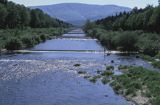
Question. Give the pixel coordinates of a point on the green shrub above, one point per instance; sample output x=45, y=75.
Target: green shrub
x=109, y=67
x=107, y=73
x=147, y=43
x=158, y=55
x=13, y=44
x=130, y=91
x=137, y=77
x=27, y=41
x=156, y=101
x=94, y=78
x=105, y=80
x=116, y=86
x=123, y=67
x=13, y=39
x=156, y=64
x=43, y=37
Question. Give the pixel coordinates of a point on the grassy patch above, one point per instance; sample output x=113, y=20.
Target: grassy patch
x=94, y=78
x=147, y=57
x=123, y=67
x=105, y=80
x=156, y=64
x=107, y=73
x=109, y=67
x=153, y=60
x=135, y=79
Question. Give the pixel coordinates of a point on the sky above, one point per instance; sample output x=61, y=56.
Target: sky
x=126, y=3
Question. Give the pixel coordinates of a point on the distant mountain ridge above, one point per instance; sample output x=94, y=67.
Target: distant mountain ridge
x=78, y=13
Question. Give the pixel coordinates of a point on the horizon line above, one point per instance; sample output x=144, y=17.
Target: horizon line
x=81, y=3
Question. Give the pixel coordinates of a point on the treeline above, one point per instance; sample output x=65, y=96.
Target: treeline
x=15, y=39
x=18, y=16
x=147, y=19
x=146, y=43
x=137, y=30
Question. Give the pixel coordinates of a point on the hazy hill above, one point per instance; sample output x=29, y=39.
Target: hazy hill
x=77, y=13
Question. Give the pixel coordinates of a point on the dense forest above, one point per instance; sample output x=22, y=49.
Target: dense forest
x=137, y=30
x=18, y=16
x=21, y=27
x=147, y=19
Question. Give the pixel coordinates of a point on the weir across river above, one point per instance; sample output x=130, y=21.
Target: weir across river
x=47, y=73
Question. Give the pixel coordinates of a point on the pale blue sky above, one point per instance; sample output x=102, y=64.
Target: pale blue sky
x=127, y=3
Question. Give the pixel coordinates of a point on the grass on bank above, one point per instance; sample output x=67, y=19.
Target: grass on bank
x=139, y=81
x=137, y=84
x=15, y=39
x=155, y=61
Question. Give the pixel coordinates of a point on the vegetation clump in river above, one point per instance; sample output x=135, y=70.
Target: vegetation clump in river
x=104, y=75
x=137, y=84
x=155, y=61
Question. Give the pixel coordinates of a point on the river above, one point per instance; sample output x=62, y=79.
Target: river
x=46, y=74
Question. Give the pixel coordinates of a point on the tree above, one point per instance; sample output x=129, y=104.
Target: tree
x=126, y=41
x=13, y=18
x=89, y=25
x=18, y=16
x=25, y=17
x=3, y=15
x=154, y=22
x=35, y=21
x=3, y=1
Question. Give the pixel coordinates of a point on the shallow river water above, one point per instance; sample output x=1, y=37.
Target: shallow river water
x=47, y=76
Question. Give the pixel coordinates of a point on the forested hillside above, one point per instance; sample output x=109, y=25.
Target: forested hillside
x=21, y=27
x=18, y=16
x=147, y=19
x=137, y=30
x=78, y=13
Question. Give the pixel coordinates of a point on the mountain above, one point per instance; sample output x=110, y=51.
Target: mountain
x=78, y=13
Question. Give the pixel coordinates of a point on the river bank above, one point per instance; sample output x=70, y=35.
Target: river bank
x=136, y=84
x=146, y=44
x=45, y=74
x=15, y=39
x=139, y=85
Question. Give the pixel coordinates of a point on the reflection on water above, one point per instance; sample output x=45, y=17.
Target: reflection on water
x=50, y=78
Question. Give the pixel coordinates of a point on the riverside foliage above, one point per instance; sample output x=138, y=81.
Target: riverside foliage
x=22, y=27
x=147, y=43
x=14, y=39
x=137, y=30
x=138, y=79
x=18, y=16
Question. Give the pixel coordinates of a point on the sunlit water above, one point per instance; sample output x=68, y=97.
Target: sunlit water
x=50, y=78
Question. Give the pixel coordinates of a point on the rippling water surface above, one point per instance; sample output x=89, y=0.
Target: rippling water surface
x=50, y=78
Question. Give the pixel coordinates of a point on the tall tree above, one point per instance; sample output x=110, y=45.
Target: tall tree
x=3, y=1
x=3, y=15
x=154, y=21
x=25, y=17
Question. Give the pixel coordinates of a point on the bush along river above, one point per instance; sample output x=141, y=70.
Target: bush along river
x=70, y=70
